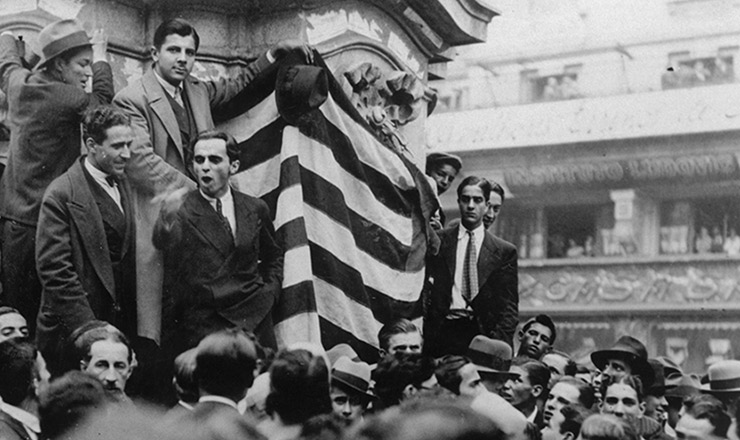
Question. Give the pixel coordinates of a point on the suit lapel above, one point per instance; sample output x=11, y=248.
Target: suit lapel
x=448, y=248
x=128, y=213
x=206, y=221
x=160, y=105
x=488, y=259
x=85, y=215
x=245, y=220
x=199, y=104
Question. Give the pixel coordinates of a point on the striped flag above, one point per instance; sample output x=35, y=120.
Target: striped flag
x=352, y=214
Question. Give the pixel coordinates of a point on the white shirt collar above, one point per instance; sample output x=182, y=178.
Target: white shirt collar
x=28, y=420
x=477, y=232
x=169, y=88
x=96, y=174
x=226, y=198
x=219, y=399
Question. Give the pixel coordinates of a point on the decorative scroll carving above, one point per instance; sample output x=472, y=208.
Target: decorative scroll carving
x=657, y=283
x=388, y=100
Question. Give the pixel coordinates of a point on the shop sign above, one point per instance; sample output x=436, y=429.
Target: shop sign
x=624, y=173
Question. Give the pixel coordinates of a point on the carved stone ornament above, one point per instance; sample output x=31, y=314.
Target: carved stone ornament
x=388, y=101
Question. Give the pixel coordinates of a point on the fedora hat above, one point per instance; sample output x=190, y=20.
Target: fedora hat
x=682, y=386
x=723, y=377
x=658, y=387
x=354, y=375
x=633, y=352
x=340, y=350
x=670, y=368
x=490, y=356
x=59, y=37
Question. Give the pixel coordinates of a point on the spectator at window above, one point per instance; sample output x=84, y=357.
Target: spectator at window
x=731, y=246
x=703, y=243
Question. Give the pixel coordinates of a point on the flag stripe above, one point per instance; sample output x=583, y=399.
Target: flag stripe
x=332, y=335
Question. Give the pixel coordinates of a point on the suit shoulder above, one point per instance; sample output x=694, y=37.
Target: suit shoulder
x=61, y=187
x=501, y=243
x=252, y=201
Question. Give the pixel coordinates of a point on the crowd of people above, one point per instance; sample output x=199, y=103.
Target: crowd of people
x=138, y=288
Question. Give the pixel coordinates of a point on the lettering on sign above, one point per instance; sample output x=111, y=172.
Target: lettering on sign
x=615, y=172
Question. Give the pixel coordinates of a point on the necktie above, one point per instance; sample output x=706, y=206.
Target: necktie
x=178, y=96
x=224, y=220
x=470, y=270
x=111, y=181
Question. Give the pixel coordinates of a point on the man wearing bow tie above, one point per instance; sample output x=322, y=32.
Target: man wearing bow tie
x=85, y=239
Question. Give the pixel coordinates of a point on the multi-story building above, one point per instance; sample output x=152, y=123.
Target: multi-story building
x=614, y=128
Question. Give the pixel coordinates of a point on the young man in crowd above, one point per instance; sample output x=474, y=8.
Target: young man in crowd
x=524, y=391
x=565, y=424
x=494, y=205
x=459, y=375
x=623, y=396
x=626, y=356
x=45, y=106
x=220, y=247
x=85, y=244
x=12, y=324
x=474, y=288
x=350, y=389
x=400, y=377
x=537, y=337
x=399, y=336
x=560, y=364
x=568, y=391
x=23, y=377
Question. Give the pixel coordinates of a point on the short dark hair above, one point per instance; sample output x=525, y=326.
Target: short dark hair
x=4, y=310
x=299, y=384
x=68, y=401
x=17, y=370
x=712, y=410
x=175, y=26
x=480, y=182
x=448, y=371
x=97, y=120
x=586, y=396
x=225, y=363
x=544, y=320
x=498, y=189
x=538, y=372
x=630, y=380
x=395, y=327
x=184, y=381
x=232, y=148
x=394, y=373
x=83, y=338
x=571, y=367
x=574, y=415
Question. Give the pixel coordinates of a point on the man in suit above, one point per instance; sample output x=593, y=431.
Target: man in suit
x=169, y=107
x=473, y=280
x=23, y=377
x=223, y=266
x=85, y=240
x=45, y=109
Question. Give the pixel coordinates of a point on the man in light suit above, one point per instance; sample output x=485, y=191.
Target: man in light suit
x=474, y=288
x=223, y=266
x=168, y=108
x=85, y=239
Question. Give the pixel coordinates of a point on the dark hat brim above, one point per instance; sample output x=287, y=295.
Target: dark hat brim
x=366, y=393
x=63, y=45
x=640, y=367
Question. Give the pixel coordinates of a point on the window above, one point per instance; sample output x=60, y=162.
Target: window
x=556, y=87
x=576, y=231
x=703, y=226
x=692, y=72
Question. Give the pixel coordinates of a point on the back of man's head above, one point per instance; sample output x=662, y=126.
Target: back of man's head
x=711, y=410
x=394, y=374
x=448, y=371
x=586, y=395
x=69, y=401
x=607, y=427
x=184, y=381
x=299, y=383
x=225, y=364
x=17, y=370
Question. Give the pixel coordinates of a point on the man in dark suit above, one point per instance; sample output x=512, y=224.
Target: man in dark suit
x=473, y=280
x=85, y=239
x=168, y=108
x=223, y=266
x=23, y=377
